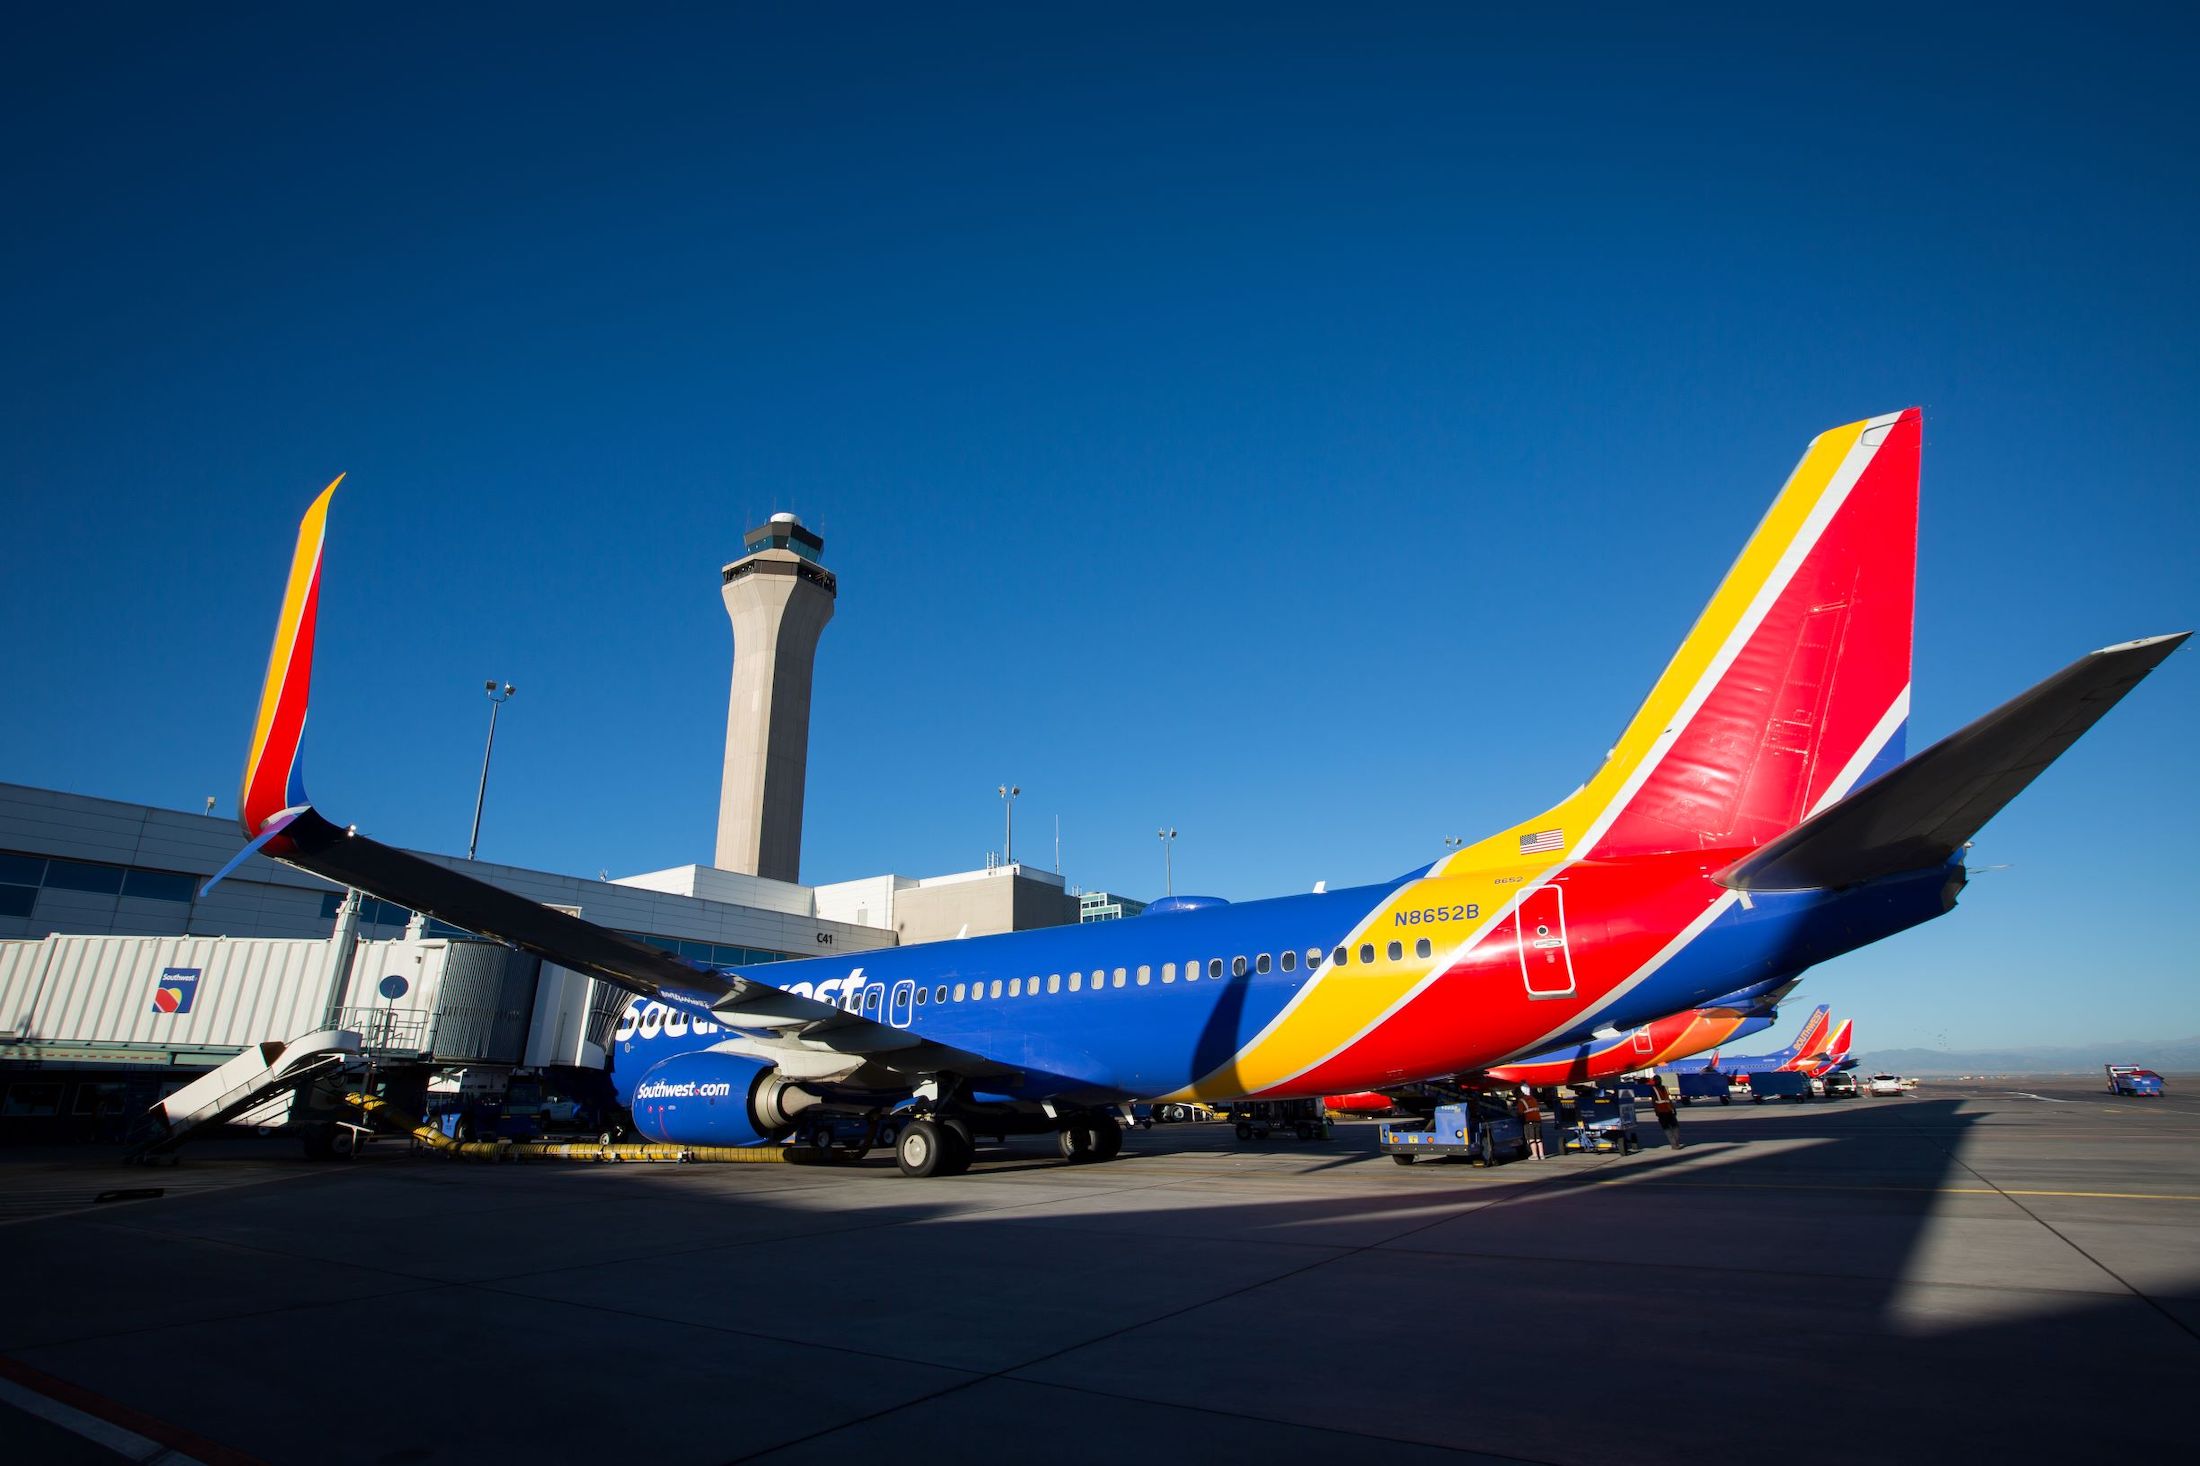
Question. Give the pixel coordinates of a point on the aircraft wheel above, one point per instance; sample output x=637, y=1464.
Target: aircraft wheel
x=961, y=1149
x=1107, y=1139
x=960, y=1128
x=1077, y=1140
x=923, y=1149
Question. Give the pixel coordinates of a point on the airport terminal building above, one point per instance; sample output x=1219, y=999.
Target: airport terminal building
x=102, y=921
x=121, y=975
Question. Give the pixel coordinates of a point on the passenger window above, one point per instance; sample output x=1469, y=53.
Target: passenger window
x=1076, y=981
x=958, y=992
x=1290, y=961
x=1313, y=958
x=1168, y=972
x=1145, y=974
x=1016, y=984
x=1397, y=951
x=1237, y=967
x=1367, y=951
x=1214, y=967
x=1260, y=963
x=1421, y=948
x=1054, y=982
x=1191, y=970
x=1119, y=976
x=939, y=994
x=1337, y=957
x=996, y=987
x=920, y=997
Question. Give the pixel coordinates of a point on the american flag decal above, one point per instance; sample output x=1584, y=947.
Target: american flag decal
x=1541, y=841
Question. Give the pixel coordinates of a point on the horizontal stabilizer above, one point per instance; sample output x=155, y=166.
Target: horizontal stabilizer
x=1923, y=811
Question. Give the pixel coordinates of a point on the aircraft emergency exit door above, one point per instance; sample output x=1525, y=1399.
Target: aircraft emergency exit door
x=1545, y=964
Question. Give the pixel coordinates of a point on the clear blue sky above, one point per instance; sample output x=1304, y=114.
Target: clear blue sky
x=1311, y=429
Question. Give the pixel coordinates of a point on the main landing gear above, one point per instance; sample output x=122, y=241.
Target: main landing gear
x=931, y=1134
x=939, y=1142
x=934, y=1148
x=1090, y=1138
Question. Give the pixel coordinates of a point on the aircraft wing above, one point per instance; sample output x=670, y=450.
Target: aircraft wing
x=276, y=813
x=1921, y=812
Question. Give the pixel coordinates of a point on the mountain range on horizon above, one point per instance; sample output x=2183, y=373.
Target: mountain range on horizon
x=2167, y=1055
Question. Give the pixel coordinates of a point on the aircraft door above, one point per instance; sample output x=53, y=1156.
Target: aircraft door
x=1546, y=966
x=901, y=1008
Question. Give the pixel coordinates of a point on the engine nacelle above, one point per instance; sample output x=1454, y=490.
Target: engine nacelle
x=710, y=1098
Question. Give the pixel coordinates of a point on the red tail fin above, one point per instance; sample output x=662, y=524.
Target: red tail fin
x=1795, y=681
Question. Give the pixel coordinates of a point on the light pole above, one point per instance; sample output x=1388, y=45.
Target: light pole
x=1168, y=859
x=1008, y=823
x=497, y=700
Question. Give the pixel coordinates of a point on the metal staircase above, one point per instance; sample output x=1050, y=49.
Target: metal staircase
x=252, y=1078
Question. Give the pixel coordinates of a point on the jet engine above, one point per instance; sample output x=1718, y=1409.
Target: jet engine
x=712, y=1098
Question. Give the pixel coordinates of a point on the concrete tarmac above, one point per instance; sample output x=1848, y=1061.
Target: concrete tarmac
x=2004, y=1269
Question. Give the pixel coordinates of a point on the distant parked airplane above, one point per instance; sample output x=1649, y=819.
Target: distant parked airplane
x=1809, y=1043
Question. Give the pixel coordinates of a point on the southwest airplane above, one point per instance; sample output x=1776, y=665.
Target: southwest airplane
x=1809, y=1046
x=1672, y=1037
x=1836, y=1056
x=1757, y=816
x=1607, y=1055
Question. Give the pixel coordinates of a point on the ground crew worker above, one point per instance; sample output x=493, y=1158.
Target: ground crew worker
x=1531, y=1120
x=1668, y=1120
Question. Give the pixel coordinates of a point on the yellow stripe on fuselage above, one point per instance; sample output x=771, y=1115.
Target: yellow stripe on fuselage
x=1339, y=1004
x=303, y=559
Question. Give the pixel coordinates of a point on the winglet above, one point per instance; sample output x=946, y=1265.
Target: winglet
x=274, y=774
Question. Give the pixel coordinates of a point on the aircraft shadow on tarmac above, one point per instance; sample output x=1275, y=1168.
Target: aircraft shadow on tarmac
x=1830, y=1279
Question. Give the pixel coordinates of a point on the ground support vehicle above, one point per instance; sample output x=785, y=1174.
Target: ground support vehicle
x=1841, y=1086
x=1180, y=1112
x=1780, y=1084
x=1303, y=1118
x=1882, y=1084
x=2128, y=1079
x=1604, y=1124
x=1483, y=1129
x=1708, y=1085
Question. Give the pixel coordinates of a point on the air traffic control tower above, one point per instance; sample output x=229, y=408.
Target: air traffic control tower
x=780, y=598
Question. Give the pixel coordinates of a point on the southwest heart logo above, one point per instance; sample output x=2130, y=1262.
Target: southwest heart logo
x=178, y=986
